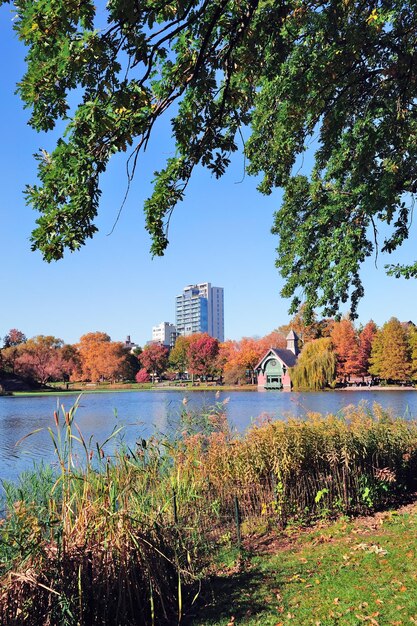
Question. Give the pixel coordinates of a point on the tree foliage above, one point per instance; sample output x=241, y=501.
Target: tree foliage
x=101, y=358
x=390, y=358
x=154, y=359
x=178, y=358
x=307, y=326
x=346, y=347
x=366, y=339
x=142, y=376
x=413, y=349
x=343, y=73
x=202, y=355
x=316, y=366
x=42, y=359
x=14, y=338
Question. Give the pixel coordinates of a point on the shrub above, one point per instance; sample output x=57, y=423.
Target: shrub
x=142, y=376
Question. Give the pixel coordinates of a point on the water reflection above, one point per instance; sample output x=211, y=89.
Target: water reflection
x=142, y=413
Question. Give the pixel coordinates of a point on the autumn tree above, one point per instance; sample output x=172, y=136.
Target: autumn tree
x=154, y=359
x=390, y=357
x=306, y=325
x=202, y=355
x=275, y=339
x=231, y=372
x=101, y=358
x=284, y=72
x=346, y=348
x=249, y=354
x=41, y=358
x=316, y=366
x=178, y=357
x=11, y=349
x=366, y=339
x=14, y=337
x=238, y=359
x=413, y=351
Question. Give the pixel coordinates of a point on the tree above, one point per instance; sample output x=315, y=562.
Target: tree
x=41, y=358
x=275, y=339
x=250, y=352
x=226, y=362
x=316, y=366
x=101, y=358
x=366, y=339
x=413, y=348
x=280, y=72
x=154, y=359
x=390, y=358
x=11, y=349
x=14, y=338
x=346, y=348
x=202, y=355
x=178, y=357
x=306, y=325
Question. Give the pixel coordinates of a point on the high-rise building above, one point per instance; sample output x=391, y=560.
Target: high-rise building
x=200, y=309
x=165, y=333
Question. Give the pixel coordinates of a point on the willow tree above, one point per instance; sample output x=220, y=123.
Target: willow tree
x=264, y=76
x=316, y=366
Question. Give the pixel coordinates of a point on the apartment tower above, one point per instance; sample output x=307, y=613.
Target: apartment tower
x=200, y=309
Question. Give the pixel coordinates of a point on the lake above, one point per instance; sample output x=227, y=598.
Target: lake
x=144, y=412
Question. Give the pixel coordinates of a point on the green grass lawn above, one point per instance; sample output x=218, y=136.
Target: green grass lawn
x=349, y=572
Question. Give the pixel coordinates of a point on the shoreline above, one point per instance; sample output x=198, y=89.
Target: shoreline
x=377, y=388
x=72, y=392
x=196, y=389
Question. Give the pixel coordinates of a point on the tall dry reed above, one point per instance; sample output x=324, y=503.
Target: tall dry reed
x=122, y=540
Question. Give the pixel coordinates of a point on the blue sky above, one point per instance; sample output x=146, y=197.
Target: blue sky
x=220, y=233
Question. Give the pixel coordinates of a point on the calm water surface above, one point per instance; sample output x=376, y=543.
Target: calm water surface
x=141, y=413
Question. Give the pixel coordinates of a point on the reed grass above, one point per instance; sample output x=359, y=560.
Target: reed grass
x=124, y=540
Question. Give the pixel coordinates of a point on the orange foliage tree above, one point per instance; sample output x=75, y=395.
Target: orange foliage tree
x=227, y=363
x=101, y=358
x=307, y=330
x=346, y=347
x=249, y=354
x=238, y=359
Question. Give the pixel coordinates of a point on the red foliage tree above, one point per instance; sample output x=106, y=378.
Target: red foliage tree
x=14, y=338
x=366, y=339
x=154, y=359
x=202, y=355
x=41, y=358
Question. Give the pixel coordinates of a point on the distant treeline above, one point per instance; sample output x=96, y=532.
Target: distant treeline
x=332, y=352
